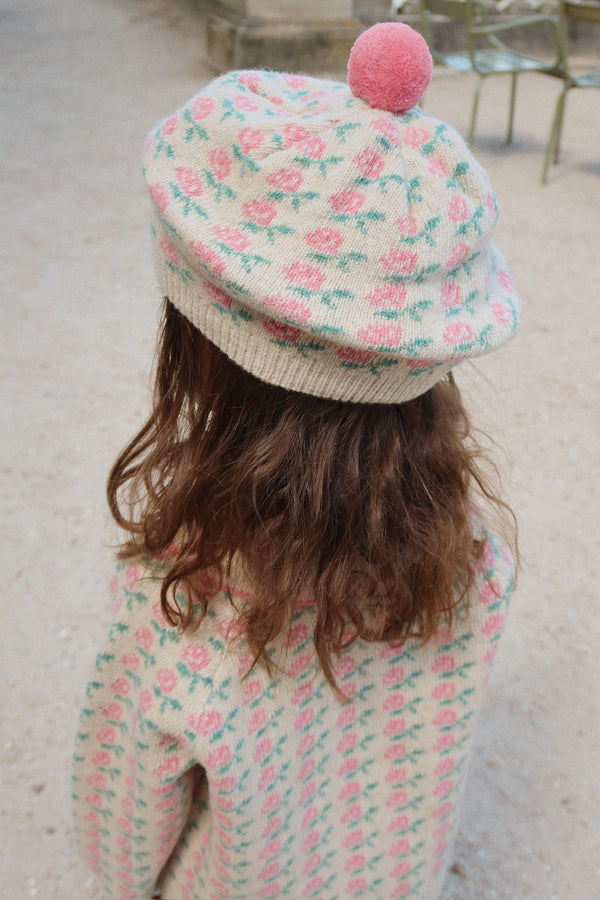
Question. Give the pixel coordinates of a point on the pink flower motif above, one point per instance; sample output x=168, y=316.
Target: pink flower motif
x=444, y=742
x=208, y=257
x=251, y=691
x=169, y=126
x=501, y=313
x=169, y=252
x=348, y=742
x=220, y=163
x=189, y=181
x=313, y=147
x=145, y=638
x=261, y=212
x=355, y=862
x=297, y=636
x=443, y=810
x=353, y=355
x=494, y=625
x=395, y=701
x=251, y=80
x=311, y=840
x=346, y=717
x=305, y=275
x=401, y=262
x=294, y=81
x=94, y=800
x=381, y=335
x=407, y=225
x=393, y=675
x=349, y=766
x=458, y=210
x=195, y=656
x=303, y=719
x=167, y=680
x=289, y=308
x=400, y=823
x=444, y=691
x=300, y=665
x=263, y=749
x=438, y=167
x=268, y=776
x=159, y=197
x=445, y=766
x=327, y=240
x=106, y=735
x=505, y=280
x=401, y=869
x=169, y=767
x=387, y=127
x=202, y=107
x=451, y=296
x=357, y=886
x=307, y=743
x=271, y=849
x=401, y=890
x=444, y=718
x=102, y=758
x=250, y=139
x=397, y=799
x=245, y=103
x=98, y=781
x=347, y=202
x=217, y=295
x=145, y=701
x=458, y=333
x=441, y=830
x=232, y=237
x=113, y=711
x=352, y=814
x=121, y=686
x=286, y=180
x=396, y=776
x=397, y=750
x=293, y=134
x=391, y=296
x=443, y=664
x=461, y=252
x=369, y=162
x=270, y=804
x=444, y=787
x=350, y=790
x=400, y=847
x=395, y=726
x=413, y=136
x=219, y=757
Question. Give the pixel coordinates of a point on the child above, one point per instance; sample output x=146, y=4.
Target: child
x=307, y=601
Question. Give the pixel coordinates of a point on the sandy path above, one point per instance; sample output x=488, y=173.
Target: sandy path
x=87, y=79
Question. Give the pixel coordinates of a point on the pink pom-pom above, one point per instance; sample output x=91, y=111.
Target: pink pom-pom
x=390, y=67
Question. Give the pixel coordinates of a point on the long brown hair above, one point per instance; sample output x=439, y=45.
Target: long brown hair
x=364, y=508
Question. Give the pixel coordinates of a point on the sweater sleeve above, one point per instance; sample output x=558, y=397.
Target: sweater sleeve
x=133, y=783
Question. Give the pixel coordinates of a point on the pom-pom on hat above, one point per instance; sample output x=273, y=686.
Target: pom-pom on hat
x=330, y=239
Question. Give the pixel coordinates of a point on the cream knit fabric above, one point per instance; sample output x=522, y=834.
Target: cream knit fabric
x=324, y=245
x=218, y=787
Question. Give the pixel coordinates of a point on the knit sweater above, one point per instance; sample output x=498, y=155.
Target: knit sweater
x=203, y=783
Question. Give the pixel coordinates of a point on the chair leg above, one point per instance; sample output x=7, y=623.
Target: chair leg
x=561, y=115
x=554, y=137
x=511, y=115
x=475, y=108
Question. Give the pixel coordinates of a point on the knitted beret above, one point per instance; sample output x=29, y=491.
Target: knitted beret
x=327, y=243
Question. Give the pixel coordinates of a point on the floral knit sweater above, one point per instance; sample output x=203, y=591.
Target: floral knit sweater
x=204, y=784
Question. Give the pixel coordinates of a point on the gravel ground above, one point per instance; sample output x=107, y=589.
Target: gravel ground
x=83, y=82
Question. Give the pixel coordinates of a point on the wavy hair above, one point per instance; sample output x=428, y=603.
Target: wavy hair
x=365, y=508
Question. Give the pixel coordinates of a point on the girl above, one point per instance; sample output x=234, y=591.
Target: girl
x=307, y=600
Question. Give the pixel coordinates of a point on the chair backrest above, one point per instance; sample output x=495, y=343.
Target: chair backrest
x=574, y=11
x=463, y=12
x=589, y=13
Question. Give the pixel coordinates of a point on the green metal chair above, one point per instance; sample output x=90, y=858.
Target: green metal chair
x=485, y=54
x=587, y=14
